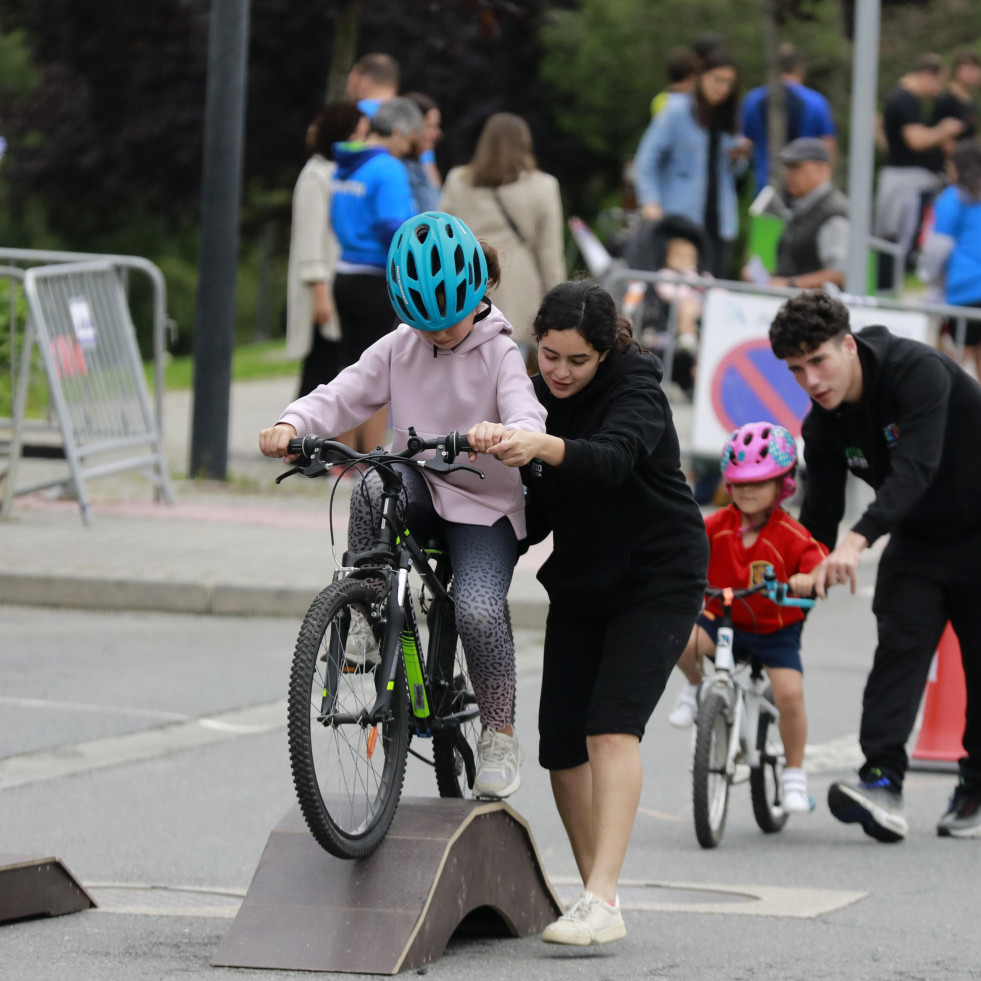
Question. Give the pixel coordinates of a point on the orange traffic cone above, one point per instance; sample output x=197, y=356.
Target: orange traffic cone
x=942, y=728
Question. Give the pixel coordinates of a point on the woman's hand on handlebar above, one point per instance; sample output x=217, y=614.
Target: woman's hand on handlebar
x=483, y=436
x=275, y=441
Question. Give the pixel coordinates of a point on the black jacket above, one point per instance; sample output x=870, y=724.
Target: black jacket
x=621, y=514
x=915, y=436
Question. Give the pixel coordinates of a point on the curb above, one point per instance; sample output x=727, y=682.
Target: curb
x=217, y=599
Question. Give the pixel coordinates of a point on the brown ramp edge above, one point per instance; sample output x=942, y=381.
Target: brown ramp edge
x=442, y=860
x=32, y=887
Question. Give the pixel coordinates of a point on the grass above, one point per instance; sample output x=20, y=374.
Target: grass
x=250, y=362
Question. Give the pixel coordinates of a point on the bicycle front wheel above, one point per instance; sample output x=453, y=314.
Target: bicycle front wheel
x=764, y=780
x=455, y=746
x=711, y=775
x=347, y=773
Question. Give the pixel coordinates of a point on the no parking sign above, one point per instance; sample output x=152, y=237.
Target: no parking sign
x=739, y=380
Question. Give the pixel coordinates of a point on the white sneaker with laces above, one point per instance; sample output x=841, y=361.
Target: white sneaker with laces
x=361, y=650
x=590, y=920
x=793, y=785
x=499, y=759
x=685, y=708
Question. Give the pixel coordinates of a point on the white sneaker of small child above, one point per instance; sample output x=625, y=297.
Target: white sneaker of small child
x=793, y=784
x=685, y=708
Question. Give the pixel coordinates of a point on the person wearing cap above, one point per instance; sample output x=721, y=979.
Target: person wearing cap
x=813, y=248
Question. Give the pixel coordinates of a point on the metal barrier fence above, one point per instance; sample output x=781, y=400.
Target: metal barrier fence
x=79, y=320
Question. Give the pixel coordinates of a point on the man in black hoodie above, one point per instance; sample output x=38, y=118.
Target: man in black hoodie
x=907, y=420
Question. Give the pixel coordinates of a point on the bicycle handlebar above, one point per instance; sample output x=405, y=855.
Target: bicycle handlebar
x=775, y=590
x=311, y=449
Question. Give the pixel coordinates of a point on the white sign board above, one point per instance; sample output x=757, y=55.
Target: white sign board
x=739, y=380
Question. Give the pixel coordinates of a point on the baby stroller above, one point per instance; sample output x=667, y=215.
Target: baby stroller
x=648, y=305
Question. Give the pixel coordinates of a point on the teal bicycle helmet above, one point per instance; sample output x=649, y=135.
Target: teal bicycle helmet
x=436, y=271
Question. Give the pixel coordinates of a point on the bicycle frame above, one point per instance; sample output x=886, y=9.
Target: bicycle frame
x=392, y=557
x=745, y=700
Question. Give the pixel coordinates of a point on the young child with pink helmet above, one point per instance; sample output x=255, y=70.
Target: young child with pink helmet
x=754, y=531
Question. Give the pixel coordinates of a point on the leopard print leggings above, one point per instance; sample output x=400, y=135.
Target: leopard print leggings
x=483, y=563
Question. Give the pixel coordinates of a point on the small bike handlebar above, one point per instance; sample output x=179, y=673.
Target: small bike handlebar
x=775, y=591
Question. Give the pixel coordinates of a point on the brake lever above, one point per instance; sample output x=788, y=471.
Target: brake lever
x=441, y=466
x=314, y=467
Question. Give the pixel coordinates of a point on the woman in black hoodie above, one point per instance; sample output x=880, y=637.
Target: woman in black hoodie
x=625, y=579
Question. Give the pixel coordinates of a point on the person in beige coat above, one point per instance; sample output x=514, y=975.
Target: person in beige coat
x=312, y=326
x=515, y=207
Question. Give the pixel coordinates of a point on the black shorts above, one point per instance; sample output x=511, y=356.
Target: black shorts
x=779, y=649
x=606, y=674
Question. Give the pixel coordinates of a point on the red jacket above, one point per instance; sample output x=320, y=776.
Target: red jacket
x=783, y=542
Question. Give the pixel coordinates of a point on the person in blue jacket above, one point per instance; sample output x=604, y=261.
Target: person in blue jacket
x=690, y=155
x=370, y=199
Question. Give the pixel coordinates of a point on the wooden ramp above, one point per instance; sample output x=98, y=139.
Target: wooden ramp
x=38, y=887
x=442, y=861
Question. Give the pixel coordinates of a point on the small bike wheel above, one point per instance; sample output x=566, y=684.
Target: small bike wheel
x=764, y=780
x=711, y=777
x=455, y=744
x=347, y=774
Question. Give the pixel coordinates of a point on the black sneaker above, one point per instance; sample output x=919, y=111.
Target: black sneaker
x=963, y=817
x=876, y=804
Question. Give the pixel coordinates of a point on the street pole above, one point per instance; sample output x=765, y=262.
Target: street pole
x=221, y=184
x=861, y=161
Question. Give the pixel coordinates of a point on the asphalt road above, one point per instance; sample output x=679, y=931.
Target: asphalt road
x=148, y=752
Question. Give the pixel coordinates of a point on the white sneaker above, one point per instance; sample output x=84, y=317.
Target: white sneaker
x=361, y=650
x=590, y=920
x=793, y=786
x=499, y=759
x=685, y=708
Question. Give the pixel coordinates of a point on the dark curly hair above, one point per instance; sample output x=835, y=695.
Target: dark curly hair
x=583, y=306
x=806, y=321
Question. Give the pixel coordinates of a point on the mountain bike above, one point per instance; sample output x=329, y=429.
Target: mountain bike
x=359, y=687
x=737, y=724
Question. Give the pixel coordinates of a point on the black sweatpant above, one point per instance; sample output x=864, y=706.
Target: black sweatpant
x=919, y=587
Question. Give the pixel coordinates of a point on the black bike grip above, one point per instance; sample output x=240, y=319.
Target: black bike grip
x=295, y=446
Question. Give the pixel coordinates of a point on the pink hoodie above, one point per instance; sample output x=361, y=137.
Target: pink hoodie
x=436, y=391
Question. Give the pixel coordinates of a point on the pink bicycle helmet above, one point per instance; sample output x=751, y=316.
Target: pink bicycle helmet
x=759, y=451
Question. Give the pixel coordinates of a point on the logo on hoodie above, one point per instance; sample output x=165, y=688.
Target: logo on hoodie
x=855, y=459
x=891, y=433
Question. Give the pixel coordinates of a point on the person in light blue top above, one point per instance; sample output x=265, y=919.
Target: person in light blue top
x=952, y=254
x=690, y=155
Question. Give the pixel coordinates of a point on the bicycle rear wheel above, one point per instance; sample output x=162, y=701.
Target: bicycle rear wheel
x=764, y=780
x=711, y=777
x=455, y=747
x=347, y=774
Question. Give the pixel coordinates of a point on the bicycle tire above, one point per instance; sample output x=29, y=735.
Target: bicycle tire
x=710, y=778
x=452, y=692
x=764, y=780
x=347, y=776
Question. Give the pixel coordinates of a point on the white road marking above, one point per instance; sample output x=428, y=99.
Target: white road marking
x=63, y=761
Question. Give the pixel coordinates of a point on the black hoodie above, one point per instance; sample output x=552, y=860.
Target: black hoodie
x=914, y=435
x=623, y=519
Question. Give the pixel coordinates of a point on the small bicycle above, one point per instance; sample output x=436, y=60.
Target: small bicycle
x=738, y=724
x=359, y=689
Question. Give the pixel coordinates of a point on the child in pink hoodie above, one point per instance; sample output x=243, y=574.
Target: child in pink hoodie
x=451, y=364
